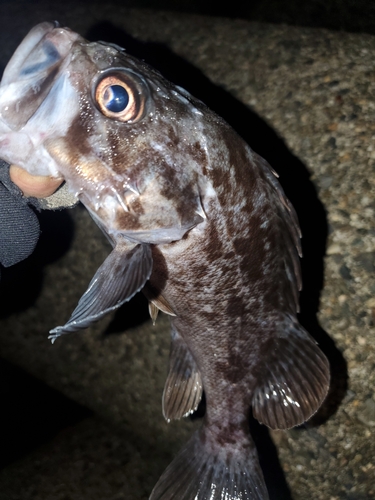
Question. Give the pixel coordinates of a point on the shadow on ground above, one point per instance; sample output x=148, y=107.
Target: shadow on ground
x=32, y=413
x=21, y=284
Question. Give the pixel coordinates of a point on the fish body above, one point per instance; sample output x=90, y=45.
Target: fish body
x=198, y=222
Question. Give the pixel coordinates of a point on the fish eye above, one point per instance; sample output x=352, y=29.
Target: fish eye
x=119, y=96
x=115, y=98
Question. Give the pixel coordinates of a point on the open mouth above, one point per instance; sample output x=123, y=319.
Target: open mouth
x=28, y=79
x=31, y=73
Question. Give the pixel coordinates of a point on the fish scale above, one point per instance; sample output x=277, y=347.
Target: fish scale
x=197, y=221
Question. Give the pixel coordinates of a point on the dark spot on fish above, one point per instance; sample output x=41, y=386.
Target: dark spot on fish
x=137, y=207
x=168, y=188
x=214, y=246
x=229, y=255
x=235, y=306
x=183, y=194
x=76, y=139
x=188, y=202
x=220, y=178
x=172, y=136
x=199, y=155
x=235, y=372
x=236, y=160
x=251, y=257
x=130, y=221
x=200, y=270
x=242, y=245
x=229, y=370
x=232, y=433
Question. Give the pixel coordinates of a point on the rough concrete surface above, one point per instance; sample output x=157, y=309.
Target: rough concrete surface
x=302, y=98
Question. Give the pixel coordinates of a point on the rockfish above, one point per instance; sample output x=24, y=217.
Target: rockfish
x=198, y=222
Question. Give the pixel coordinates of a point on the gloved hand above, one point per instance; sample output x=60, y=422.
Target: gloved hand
x=19, y=225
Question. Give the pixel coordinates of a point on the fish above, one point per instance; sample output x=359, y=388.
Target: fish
x=198, y=222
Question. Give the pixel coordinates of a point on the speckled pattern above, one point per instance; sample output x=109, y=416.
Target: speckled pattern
x=310, y=97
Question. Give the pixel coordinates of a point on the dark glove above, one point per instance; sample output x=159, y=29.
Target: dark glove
x=19, y=226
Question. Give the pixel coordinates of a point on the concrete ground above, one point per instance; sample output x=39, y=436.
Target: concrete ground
x=82, y=418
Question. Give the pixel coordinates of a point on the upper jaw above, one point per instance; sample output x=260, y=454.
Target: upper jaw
x=42, y=48
x=33, y=91
x=31, y=73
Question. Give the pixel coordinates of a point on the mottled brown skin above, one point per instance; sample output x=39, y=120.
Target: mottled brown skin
x=227, y=284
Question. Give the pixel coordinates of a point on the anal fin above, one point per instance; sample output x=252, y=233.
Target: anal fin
x=295, y=379
x=118, y=279
x=183, y=387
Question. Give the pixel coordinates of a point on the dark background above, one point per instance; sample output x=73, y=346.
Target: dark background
x=340, y=15
x=356, y=16
x=349, y=15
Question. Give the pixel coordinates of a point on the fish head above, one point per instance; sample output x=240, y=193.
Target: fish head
x=127, y=142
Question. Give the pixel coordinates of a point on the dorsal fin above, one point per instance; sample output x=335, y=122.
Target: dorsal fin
x=290, y=230
x=295, y=379
x=183, y=387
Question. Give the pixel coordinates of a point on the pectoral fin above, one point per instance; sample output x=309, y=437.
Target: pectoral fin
x=122, y=275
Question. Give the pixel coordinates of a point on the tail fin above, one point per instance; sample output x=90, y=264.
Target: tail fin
x=208, y=470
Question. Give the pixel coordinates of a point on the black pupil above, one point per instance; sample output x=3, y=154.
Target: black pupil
x=116, y=98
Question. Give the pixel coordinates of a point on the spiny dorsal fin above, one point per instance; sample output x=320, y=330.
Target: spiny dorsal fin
x=289, y=227
x=295, y=380
x=183, y=387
